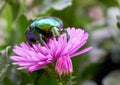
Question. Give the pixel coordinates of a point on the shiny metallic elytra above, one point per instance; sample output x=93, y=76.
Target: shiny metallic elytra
x=47, y=22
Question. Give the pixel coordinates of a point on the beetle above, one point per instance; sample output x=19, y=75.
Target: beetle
x=41, y=30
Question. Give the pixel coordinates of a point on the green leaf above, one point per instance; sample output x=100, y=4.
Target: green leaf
x=2, y=5
x=26, y=79
x=7, y=14
x=23, y=23
x=7, y=81
x=39, y=77
x=55, y=4
x=3, y=62
x=6, y=25
x=20, y=27
x=15, y=8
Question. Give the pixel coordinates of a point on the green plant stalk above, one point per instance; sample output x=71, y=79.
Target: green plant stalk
x=64, y=79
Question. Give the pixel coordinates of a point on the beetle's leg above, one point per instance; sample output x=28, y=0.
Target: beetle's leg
x=41, y=40
x=55, y=31
x=67, y=34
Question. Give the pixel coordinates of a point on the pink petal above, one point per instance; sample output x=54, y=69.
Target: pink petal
x=81, y=52
x=34, y=68
x=64, y=65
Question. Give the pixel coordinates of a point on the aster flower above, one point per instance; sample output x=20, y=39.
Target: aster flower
x=59, y=50
x=31, y=58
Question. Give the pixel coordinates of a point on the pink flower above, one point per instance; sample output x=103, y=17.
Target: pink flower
x=31, y=58
x=59, y=50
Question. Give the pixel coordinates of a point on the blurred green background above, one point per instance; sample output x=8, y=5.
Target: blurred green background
x=100, y=18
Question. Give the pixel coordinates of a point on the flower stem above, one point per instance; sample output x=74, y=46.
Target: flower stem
x=65, y=79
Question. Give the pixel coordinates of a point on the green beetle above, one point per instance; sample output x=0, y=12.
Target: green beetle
x=44, y=28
